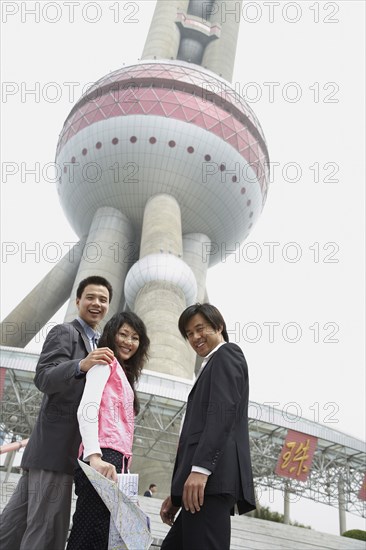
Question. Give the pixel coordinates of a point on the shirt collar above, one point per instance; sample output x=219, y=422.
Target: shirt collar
x=209, y=355
x=88, y=330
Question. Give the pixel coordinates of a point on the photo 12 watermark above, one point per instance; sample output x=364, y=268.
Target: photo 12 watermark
x=69, y=172
x=70, y=12
x=52, y=252
x=272, y=12
x=291, y=332
x=271, y=252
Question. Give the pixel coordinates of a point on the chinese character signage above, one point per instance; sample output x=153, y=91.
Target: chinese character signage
x=296, y=456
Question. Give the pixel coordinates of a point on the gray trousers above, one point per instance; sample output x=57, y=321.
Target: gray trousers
x=37, y=516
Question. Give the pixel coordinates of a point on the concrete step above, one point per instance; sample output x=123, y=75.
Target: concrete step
x=247, y=533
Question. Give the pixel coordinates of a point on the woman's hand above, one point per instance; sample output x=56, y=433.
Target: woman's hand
x=105, y=468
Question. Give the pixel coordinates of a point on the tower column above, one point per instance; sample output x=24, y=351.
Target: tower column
x=219, y=55
x=33, y=312
x=163, y=38
x=107, y=254
x=196, y=248
x=160, y=286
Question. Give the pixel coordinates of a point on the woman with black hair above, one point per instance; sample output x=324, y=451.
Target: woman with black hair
x=106, y=421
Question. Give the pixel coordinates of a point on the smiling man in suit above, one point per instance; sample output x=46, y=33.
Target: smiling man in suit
x=37, y=516
x=212, y=469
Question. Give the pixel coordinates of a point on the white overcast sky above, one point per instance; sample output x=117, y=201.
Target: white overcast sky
x=301, y=67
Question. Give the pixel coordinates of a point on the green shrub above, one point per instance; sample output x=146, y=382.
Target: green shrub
x=355, y=534
x=265, y=513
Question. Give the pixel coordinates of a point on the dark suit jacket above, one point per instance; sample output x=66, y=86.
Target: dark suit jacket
x=215, y=430
x=55, y=439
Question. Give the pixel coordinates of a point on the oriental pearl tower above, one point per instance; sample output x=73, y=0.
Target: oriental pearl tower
x=164, y=165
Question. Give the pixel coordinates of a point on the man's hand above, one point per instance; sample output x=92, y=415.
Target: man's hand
x=168, y=511
x=105, y=468
x=99, y=356
x=193, y=491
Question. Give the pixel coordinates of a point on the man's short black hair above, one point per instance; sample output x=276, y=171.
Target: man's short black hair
x=209, y=312
x=94, y=280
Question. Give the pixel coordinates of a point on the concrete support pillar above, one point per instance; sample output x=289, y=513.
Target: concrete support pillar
x=33, y=312
x=110, y=237
x=162, y=227
x=163, y=38
x=219, y=55
x=341, y=506
x=160, y=286
x=286, y=506
x=160, y=304
x=195, y=247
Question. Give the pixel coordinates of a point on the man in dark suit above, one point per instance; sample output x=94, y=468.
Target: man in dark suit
x=212, y=469
x=151, y=490
x=37, y=516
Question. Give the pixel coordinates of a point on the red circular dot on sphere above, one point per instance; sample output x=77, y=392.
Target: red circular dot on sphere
x=242, y=190
x=172, y=143
x=133, y=139
x=152, y=140
x=84, y=152
x=234, y=179
x=207, y=157
x=98, y=145
x=249, y=202
x=222, y=167
x=115, y=141
x=190, y=149
x=73, y=160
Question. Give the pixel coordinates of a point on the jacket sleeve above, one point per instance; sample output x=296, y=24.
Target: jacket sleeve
x=223, y=410
x=61, y=353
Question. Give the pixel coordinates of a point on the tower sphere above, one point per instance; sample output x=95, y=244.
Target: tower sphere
x=163, y=127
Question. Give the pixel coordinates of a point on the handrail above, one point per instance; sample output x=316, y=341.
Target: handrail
x=15, y=446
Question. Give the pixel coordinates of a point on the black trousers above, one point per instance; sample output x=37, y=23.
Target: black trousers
x=90, y=522
x=208, y=529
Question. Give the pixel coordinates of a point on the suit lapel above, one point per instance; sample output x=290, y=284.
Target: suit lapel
x=200, y=372
x=84, y=337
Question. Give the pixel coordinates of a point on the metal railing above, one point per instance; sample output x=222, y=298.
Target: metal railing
x=15, y=446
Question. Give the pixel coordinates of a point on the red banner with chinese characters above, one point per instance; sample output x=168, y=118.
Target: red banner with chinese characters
x=2, y=381
x=362, y=491
x=296, y=456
